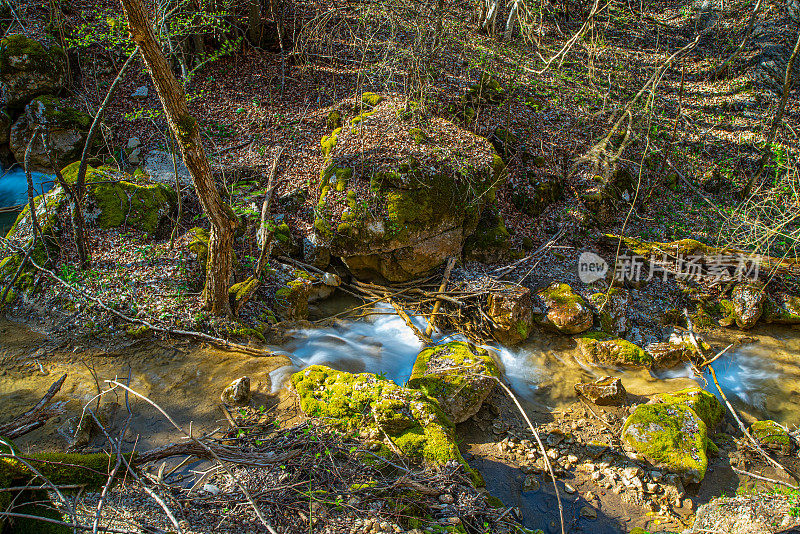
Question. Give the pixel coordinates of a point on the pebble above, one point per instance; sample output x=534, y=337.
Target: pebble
x=569, y=489
x=446, y=498
x=588, y=512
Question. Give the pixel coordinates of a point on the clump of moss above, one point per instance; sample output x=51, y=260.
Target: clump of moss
x=771, y=435
x=491, y=240
x=370, y=100
x=291, y=300
x=414, y=423
x=565, y=310
x=460, y=376
x=702, y=402
x=138, y=331
x=334, y=120
x=29, y=69
x=418, y=135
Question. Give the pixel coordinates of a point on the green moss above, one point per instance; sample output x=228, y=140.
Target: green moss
x=56, y=111
x=702, y=402
x=771, y=435
x=291, y=300
x=283, y=234
x=456, y=363
x=198, y=244
x=334, y=120
x=371, y=100
x=603, y=348
x=418, y=135
x=413, y=422
x=137, y=332
x=491, y=240
x=671, y=436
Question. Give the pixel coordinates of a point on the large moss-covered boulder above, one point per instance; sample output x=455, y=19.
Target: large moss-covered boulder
x=364, y=402
x=28, y=69
x=511, y=313
x=21, y=234
x=704, y=404
x=67, y=130
x=748, y=300
x=459, y=375
x=606, y=350
x=670, y=436
x=564, y=310
x=770, y=435
x=113, y=202
x=397, y=204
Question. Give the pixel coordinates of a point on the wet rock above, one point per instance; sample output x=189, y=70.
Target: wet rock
x=612, y=308
x=511, y=313
x=772, y=436
x=605, y=391
x=564, y=310
x=588, y=512
x=395, y=208
x=677, y=349
x=747, y=300
x=28, y=69
x=67, y=129
x=602, y=349
x=459, y=375
x=237, y=393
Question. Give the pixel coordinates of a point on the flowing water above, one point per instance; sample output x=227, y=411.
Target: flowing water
x=14, y=192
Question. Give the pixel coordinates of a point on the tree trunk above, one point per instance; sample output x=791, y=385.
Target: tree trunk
x=187, y=134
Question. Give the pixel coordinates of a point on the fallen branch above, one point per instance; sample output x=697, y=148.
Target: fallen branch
x=765, y=479
x=450, y=263
x=35, y=417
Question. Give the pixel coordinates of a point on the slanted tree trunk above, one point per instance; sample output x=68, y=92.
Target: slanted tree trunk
x=186, y=132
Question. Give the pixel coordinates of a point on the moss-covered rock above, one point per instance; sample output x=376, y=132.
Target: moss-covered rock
x=459, y=375
x=771, y=435
x=748, y=300
x=702, y=402
x=413, y=422
x=612, y=308
x=21, y=234
x=671, y=437
x=491, y=241
x=782, y=308
x=536, y=193
x=604, y=349
x=67, y=128
x=564, y=310
x=677, y=349
x=511, y=312
x=609, y=189
x=291, y=299
x=113, y=202
x=28, y=69
x=391, y=207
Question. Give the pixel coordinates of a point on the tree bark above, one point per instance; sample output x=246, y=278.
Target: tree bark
x=187, y=134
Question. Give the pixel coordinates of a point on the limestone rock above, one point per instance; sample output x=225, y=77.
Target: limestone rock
x=748, y=300
x=511, y=312
x=761, y=513
x=605, y=391
x=612, y=307
x=671, y=431
x=67, y=127
x=603, y=349
x=140, y=93
x=564, y=310
x=315, y=252
x=28, y=69
x=491, y=241
x=237, y=393
x=459, y=375
x=671, y=437
x=391, y=207
x=770, y=435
